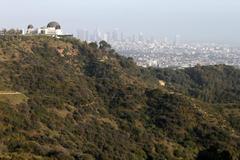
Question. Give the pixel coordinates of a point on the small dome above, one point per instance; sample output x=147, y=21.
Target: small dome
x=55, y=25
x=30, y=26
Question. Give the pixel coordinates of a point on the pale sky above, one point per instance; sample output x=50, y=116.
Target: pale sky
x=194, y=20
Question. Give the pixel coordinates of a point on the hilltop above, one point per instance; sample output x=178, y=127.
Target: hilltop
x=84, y=101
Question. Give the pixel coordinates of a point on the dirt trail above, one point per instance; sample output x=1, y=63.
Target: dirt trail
x=9, y=93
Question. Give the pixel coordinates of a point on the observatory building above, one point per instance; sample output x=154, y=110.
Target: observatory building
x=52, y=29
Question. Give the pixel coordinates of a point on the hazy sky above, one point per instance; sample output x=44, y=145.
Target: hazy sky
x=203, y=20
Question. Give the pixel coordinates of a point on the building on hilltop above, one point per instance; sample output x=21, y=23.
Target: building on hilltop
x=52, y=29
x=30, y=29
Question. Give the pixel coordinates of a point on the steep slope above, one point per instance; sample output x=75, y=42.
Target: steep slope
x=87, y=102
x=215, y=84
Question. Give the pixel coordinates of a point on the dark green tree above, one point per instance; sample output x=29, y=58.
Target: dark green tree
x=104, y=46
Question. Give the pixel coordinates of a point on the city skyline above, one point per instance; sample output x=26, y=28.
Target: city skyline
x=164, y=52
x=117, y=35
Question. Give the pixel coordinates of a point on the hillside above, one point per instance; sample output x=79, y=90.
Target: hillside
x=84, y=101
x=214, y=84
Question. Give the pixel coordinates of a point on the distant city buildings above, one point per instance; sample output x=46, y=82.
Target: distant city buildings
x=177, y=40
x=146, y=51
x=115, y=35
x=165, y=52
x=182, y=55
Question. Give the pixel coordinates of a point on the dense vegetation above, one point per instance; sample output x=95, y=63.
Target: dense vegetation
x=84, y=101
x=215, y=84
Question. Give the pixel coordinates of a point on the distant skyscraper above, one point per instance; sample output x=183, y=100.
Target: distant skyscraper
x=122, y=37
x=115, y=35
x=97, y=35
x=105, y=37
x=177, y=40
x=83, y=34
x=86, y=35
x=79, y=34
x=140, y=37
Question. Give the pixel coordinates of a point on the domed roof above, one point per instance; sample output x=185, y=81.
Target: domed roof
x=30, y=26
x=53, y=24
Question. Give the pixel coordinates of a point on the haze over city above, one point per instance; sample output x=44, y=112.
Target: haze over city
x=194, y=20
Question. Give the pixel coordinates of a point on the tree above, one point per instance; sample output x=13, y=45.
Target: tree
x=104, y=46
x=93, y=45
x=213, y=153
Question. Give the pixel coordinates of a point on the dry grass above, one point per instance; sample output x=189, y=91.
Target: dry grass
x=13, y=98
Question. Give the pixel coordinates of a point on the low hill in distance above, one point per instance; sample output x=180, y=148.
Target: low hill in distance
x=67, y=99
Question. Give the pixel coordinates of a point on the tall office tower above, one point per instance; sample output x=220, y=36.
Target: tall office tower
x=122, y=38
x=97, y=35
x=86, y=35
x=83, y=35
x=140, y=37
x=115, y=34
x=92, y=37
x=80, y=34
x=177, y=40
x=105, y=37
